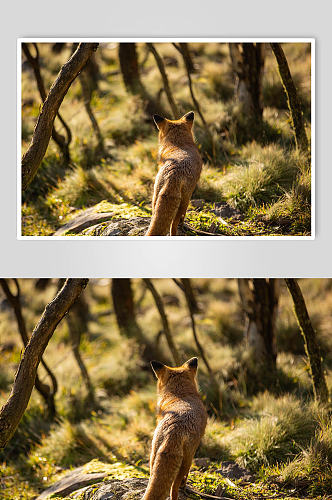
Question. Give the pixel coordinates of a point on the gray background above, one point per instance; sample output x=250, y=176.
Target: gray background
x=210, y=258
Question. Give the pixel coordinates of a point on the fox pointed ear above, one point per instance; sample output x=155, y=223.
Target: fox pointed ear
x=189, y=117
x=192, y=364
x=156, y=367
x=158, y=119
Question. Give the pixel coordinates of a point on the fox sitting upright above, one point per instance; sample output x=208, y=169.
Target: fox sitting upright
x=181, y=424
x=180, y=168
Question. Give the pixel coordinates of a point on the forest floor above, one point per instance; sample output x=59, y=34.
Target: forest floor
x=263, y=182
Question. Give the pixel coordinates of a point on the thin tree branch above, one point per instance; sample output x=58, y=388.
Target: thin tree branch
x=161, y=309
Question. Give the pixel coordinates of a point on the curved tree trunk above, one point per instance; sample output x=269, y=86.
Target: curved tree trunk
x=41, y=136
x=166, y=328
x=87, y=91
x=260, y=298
x=292, y=98
x=132, y=79
x=124, y=308
x=248, y=64
x=58, y=138
x=13, y=410
x=187, y=56
x=78, y=326
x=161, y=66
x=310, y=341
x=190, y=83
x=189, y=295
x=44, y=390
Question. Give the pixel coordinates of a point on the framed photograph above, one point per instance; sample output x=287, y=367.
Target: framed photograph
x=193, y=138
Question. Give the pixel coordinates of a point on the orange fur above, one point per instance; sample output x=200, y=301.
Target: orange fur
x=181, y=425
x=180, y=166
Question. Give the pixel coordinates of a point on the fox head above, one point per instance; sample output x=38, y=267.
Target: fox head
x=183, y=126
x=178, y=378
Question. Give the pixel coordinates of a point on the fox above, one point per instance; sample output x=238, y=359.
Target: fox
x=181, y=422
x=180, y=166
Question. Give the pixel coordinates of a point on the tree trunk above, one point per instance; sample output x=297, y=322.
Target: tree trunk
x=13, y=410
x=260, y=304
x=310, y=341
x=58, y=138
x=190, y=83
x=87, y=91
x=41, y=136
x=77, y=327
x=44, y=390
x=161, y=66
x=189, y=294
x=292, y=98
x=166, y=328
x=124, y=308
x=248, y=64
x=187, y=56
x=132, y=80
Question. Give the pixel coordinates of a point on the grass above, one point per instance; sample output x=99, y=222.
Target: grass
x=280, y=435
x=265, y=178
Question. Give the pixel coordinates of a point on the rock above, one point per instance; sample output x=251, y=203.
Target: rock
x=86, y=219
x=202, y=463
x=126, y=489
x=136, y=226
x=74, y=480
x=232, y=470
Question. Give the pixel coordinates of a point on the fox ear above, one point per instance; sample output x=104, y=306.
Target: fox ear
x=192, y=364
x=189, y=117
x=156, y=367
x=158, y=119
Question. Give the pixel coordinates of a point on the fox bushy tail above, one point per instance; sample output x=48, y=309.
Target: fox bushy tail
x=164, y=471
x=165, y=210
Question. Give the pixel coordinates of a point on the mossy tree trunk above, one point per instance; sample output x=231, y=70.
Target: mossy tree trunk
x=292, y=98
x=62, y=142
x=13, y=410
x=259, y=298
x=34, y=155
x=310, y=341
x=46, y=392
x=248, y=65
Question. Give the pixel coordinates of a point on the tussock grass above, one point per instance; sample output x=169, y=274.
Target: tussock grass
x=276, y=433
x=313, y=466
x=267, y=174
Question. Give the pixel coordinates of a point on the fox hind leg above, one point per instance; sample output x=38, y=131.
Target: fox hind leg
x=181, y=477
x=180, y=215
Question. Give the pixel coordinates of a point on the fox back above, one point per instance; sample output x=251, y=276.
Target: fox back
x=181, y=424
x=180, y=166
